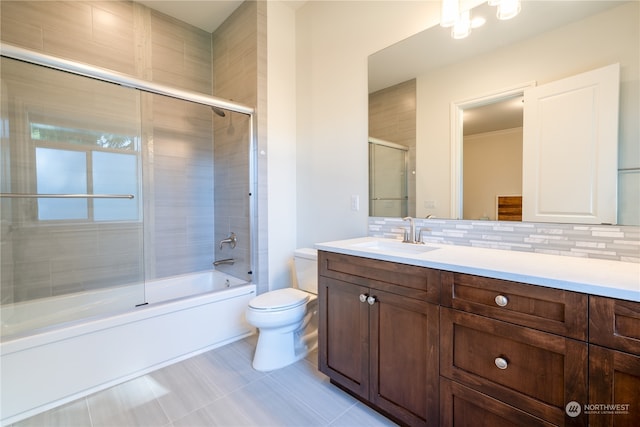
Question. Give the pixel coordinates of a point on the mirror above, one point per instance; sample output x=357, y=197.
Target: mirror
x=548, y=41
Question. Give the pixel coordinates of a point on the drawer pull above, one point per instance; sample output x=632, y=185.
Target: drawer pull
x=501, y=363
x=371, y=300
x=502, y=301
x=363, y=297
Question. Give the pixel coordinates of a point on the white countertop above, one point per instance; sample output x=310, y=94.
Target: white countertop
x=613, y=279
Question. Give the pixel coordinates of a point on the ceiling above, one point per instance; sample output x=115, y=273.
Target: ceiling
x=204, y=14
x=207, y=15
x=506, y=114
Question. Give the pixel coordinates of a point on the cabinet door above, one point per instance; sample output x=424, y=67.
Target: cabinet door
x=343, y=332
x=404, y=358
x=614, y=379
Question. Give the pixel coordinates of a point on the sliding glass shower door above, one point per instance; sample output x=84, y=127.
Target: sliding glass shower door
x=388, y=193
x=71, y=212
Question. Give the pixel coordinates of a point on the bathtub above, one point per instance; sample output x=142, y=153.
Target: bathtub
x=185, y=315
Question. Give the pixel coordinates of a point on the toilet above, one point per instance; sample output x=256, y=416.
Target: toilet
x=287, y=318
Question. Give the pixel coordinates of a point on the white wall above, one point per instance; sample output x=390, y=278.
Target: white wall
x=281, y=157
x=492, y=167
x=334, y=40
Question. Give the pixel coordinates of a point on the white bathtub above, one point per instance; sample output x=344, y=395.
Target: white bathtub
x=185, y=315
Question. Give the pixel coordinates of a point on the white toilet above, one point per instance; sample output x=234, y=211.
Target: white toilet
x=287, y=318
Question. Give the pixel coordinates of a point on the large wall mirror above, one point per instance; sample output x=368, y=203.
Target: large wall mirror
x=457, y=104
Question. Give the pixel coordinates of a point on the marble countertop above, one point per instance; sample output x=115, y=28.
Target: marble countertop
x=613, y=279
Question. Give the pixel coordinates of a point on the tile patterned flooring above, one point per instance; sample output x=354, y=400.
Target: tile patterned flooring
x=217, y=388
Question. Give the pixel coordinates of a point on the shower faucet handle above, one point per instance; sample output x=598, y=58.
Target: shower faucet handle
x=231, y=240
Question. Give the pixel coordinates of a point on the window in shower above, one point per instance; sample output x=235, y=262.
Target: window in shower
x=84, y=161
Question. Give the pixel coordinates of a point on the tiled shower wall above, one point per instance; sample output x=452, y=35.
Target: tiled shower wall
x=235, y=76
x=619, y=243
x=130, y=38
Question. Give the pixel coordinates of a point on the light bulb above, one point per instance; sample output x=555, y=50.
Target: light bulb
x=462, y=27
x=449, y=13
x=507, y=9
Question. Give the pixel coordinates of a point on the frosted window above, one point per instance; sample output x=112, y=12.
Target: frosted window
x=61, y=172
x=115, y=173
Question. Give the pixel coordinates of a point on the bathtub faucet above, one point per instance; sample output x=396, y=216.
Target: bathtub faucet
x=224, y=261
x=231, y=240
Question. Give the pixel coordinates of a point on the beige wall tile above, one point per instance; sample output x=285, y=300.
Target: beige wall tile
x=179, y=205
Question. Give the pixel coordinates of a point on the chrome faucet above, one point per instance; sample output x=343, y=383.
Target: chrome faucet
x=224, y=261
x=231, y=240
x=410, y=235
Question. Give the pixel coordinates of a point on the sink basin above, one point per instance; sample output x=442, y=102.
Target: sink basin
x=393, y=246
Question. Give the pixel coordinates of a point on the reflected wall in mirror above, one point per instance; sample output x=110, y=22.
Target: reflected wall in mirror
x=564, y=39
x=392, y=117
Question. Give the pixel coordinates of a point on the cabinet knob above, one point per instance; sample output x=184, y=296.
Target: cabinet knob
x=502, y=301
x=371, y=300
x=501, y=363
x=363, y=297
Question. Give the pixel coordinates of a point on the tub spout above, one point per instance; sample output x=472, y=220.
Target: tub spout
x=224, y=261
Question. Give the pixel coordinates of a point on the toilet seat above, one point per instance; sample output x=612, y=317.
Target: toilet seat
x=281, y=299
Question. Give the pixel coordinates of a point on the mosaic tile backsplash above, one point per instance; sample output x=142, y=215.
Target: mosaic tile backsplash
x=612, y=242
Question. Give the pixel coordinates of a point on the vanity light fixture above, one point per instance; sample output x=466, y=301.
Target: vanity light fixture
x=449, y=13
x=462, y=26
x=461, y=22
x=507, y=9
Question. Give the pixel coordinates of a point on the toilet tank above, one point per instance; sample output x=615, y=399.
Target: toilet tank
x=306, y=267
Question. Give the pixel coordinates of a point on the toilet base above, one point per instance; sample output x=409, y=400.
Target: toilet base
x=276, y=350
x=279, y=346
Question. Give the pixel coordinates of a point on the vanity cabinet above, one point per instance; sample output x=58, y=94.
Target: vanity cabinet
x=439, y=348
x=378, y=334
x=614, y=362
x=520, y=348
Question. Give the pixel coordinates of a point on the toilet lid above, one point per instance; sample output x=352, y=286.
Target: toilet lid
x=279, y=299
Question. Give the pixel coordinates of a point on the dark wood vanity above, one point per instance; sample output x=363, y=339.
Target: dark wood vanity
x=438, y=348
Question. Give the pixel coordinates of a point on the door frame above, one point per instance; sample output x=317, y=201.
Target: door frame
x=457, y=139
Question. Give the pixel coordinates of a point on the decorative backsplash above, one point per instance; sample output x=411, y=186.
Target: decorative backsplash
x=612, y=242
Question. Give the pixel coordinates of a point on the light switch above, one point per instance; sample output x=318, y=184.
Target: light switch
x=355, y=203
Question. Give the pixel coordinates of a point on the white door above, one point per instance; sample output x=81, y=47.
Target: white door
x=570, y=149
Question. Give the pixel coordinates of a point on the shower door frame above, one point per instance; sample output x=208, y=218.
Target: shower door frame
x=109, y=76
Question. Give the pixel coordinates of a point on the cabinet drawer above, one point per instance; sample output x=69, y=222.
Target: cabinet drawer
x=551, y=310
x=534, y=371
x=615, y=324
x=464, y=407
x=407, y=280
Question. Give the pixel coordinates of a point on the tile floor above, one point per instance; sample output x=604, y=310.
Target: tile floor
x=217, y=388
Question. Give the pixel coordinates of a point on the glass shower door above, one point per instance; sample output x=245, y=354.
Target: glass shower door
x=388, y=192
x=71, y=228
